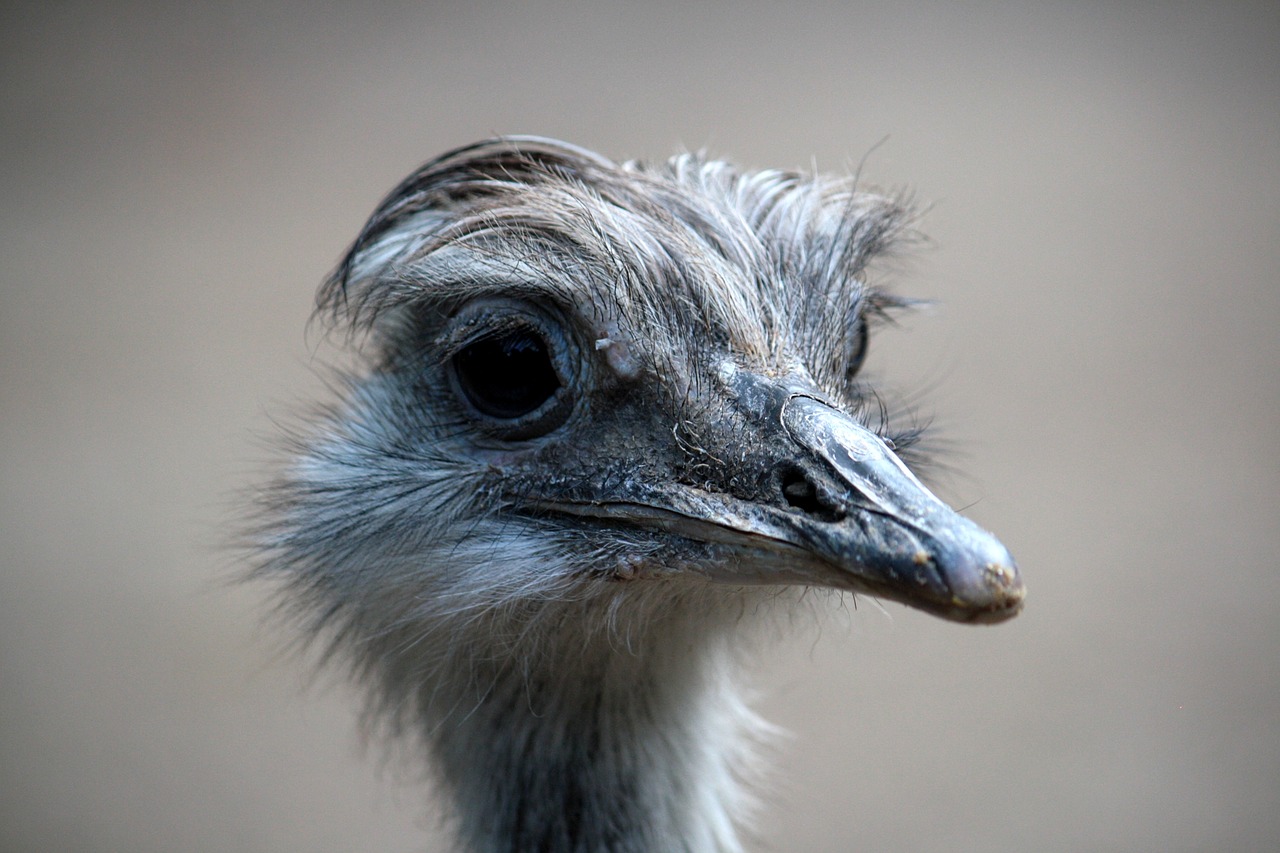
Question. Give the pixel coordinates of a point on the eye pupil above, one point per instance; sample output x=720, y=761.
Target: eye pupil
x=507, y=375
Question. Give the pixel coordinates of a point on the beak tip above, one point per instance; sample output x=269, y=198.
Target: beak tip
x=995, y=594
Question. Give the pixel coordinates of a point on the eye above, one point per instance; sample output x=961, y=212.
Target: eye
x=515, y=370
x=857, y=349
x=507, y=375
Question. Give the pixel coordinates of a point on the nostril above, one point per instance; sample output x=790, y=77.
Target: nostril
x=801, y=493
x=798, y=491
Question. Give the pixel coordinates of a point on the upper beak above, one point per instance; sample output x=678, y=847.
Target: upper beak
x=841, y=510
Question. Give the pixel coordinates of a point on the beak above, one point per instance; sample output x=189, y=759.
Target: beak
x=838, y=508
x=885, y=532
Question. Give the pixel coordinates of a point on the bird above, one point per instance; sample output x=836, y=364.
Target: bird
x=601, y=420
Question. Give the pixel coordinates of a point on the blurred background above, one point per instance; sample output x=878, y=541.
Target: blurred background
x=1104, y=181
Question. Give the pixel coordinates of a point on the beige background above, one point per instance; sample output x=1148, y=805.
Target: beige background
x=1106, y=189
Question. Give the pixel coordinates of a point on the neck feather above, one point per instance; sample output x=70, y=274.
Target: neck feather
x=635, y=737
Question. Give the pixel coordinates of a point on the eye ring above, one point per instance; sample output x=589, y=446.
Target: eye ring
x=512, y=368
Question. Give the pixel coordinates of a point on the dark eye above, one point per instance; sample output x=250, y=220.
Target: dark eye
x=857, y=350
x=508, y=375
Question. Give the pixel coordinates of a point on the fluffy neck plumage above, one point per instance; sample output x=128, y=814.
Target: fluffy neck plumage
x=629, y=738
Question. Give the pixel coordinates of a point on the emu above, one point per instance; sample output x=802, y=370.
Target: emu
x=606, y=418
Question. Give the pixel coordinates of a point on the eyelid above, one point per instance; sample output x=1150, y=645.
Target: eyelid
x=483, y=326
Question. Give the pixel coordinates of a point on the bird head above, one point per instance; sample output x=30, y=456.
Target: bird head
x=585, y=374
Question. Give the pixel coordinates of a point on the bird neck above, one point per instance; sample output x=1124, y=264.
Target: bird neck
x=600, y=741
